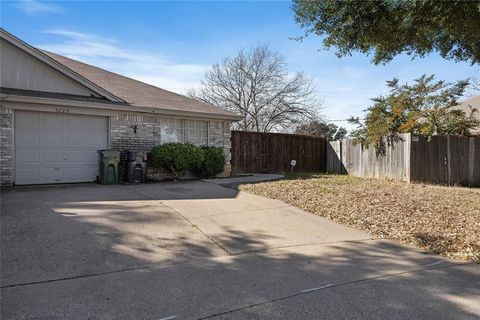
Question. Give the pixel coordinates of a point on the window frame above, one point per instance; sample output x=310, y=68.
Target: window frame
x=198, y=130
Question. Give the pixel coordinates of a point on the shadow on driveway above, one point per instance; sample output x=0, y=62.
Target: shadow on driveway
x=137, y=252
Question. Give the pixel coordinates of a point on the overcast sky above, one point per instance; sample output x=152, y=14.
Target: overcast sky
x=171, y=44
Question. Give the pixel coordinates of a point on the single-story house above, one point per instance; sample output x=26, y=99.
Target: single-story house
x=469, y=104
x=57, y=112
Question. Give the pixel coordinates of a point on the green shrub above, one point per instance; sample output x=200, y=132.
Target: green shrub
x=212, y=161
x=175, y=158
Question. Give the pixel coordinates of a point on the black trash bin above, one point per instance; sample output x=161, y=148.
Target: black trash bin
x=123, y=166
x=136, y=167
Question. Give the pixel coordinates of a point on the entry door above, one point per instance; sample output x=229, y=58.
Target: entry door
x=57, y=147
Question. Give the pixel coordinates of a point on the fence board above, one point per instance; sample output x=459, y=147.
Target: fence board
x=345, y=156
x=451, y=160
x=272, y=152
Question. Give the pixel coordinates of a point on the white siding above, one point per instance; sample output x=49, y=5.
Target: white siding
x=21, y=70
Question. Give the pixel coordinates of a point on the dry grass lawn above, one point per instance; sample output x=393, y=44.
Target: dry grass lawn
x=443, y=220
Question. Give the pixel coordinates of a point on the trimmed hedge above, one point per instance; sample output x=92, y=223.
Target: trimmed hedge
x=178, y=158
x=211, y=162
x=175, y=158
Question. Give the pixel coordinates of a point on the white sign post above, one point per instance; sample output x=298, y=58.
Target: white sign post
x=293, y=163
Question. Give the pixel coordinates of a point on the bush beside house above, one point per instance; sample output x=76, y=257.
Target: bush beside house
x=211, y=161
x=178, y=159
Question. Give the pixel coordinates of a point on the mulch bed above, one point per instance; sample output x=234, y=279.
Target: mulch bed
x=442, y=220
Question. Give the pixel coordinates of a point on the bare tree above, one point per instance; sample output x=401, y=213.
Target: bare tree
x=256, y=84
x=475, y=84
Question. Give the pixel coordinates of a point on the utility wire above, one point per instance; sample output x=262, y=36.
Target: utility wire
x=337, y=120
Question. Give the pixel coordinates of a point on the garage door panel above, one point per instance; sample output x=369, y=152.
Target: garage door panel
x=28, y=175
x=28, y=120
x=29, y=155
x=51, y=138
x=52, y=155
x=56, y=148
x=75, y=139
x=96, y=140
x=26, y=138
x=97, y=124
x=52, y=174
x=74, y=122
x=75, y=156
x=51, y=121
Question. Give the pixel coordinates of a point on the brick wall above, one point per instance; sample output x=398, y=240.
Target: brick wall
x=6, y=146
x=219, y=136
x=122, y=135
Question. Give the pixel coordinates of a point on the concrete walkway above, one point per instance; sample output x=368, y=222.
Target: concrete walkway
x=196, y=250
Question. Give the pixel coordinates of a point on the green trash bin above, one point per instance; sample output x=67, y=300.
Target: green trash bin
x=109, y=160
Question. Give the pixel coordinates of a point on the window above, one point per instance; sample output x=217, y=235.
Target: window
x=171, y=130
x=197, y=132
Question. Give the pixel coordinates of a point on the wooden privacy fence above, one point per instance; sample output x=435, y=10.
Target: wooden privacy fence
x=443, y=160
x=446, y=160
x=346, y=157
x=273, y=152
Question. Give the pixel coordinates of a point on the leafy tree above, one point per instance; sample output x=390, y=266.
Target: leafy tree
x=388, y=28
x=319, y=128
x=257, y=85
x=423, y=108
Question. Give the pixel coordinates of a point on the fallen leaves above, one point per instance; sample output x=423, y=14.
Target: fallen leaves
x=443, y=220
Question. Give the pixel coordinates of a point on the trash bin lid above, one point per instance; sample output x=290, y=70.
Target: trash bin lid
x=109, y=153
x=131, y=156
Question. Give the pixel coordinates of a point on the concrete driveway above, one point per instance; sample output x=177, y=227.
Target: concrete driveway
x=196, y=250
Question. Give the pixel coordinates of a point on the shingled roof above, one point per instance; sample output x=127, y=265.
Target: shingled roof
x=467, y=105
x=137, y=93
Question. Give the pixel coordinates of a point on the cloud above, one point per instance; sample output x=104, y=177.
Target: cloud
x=107, y=53
x=35, y=7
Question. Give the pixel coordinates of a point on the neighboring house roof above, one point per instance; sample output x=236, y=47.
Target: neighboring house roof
x=473, y=102
x=137, y=93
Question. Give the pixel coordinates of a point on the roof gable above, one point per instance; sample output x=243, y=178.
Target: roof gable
x=27, y=68
x=102, y=83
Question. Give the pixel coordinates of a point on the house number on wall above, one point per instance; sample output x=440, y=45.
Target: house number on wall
x=62, y=110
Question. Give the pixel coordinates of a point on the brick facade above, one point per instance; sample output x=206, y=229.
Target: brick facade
x=147, y=135
x=219, y=136
x=6, y=146
x=122, y=136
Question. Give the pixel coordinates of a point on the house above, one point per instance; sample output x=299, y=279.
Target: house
x=57, y=112
x=467, y=105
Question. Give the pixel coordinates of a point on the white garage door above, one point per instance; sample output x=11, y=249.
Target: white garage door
x=57, y=148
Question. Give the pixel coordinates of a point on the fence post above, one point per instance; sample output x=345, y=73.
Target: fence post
x=449, y=162
x=407, y=156
x=471, y=161
x=340, y=143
